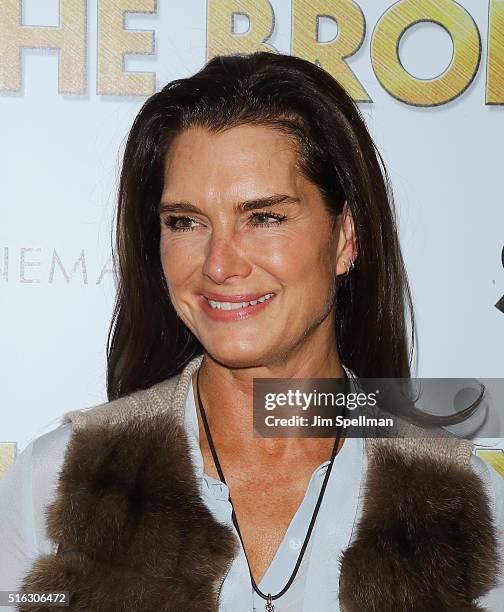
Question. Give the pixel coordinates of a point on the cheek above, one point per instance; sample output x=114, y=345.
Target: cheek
x=174, y=273
x=164, y=255
x=282, y=250
x=173, y=261
x=309, y=265
x=172, y=269
x=299, y=258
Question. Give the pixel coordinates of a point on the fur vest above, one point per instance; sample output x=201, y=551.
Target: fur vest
x=133, y=533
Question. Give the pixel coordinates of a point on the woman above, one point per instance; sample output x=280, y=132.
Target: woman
x=253, y=182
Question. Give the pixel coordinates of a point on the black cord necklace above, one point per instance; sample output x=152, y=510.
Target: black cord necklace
x=269, y=597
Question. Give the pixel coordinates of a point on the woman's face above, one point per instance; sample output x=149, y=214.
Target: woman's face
x=220, y=236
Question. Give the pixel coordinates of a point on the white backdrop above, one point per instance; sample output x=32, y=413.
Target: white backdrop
x=60, y=155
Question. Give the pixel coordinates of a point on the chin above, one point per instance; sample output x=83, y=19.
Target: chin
x=231, y=355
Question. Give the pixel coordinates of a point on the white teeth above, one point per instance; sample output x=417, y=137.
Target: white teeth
x=236, y=305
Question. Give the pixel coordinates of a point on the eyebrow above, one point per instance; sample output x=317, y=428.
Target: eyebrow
x=244, y=206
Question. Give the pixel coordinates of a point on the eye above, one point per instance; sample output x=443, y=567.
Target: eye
x=171, y=222
x=180, y=224
x=277, y=218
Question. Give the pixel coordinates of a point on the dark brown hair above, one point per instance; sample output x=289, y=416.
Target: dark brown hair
x=147, y=341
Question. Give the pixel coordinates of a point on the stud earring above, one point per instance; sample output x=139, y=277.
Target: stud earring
x=348, y=268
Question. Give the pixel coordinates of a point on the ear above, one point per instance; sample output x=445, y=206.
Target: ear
x=346, y=252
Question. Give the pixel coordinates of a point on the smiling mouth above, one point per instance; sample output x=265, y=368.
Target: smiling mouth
x=235, y=311
x=218, y=305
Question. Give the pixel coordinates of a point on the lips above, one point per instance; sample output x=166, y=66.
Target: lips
x=218, y=314
x=241, y=297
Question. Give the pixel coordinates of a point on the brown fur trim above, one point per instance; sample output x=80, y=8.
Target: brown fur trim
x=425, y=541
x=137, y=534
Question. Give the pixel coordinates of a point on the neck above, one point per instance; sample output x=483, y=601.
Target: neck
x=227, y=397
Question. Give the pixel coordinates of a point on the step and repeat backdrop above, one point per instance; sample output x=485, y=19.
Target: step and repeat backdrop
x=427, y=75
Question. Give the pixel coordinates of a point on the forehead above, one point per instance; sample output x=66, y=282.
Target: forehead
x=242, y=158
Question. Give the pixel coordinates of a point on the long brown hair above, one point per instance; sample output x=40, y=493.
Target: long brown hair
x=147, y=341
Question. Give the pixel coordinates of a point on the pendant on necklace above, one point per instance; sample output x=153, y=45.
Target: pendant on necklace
x=269, y=604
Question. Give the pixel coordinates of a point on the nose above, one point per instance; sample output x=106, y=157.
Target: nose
x=224, y=259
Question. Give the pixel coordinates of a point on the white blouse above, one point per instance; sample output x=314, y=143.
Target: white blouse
x=30, y=485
